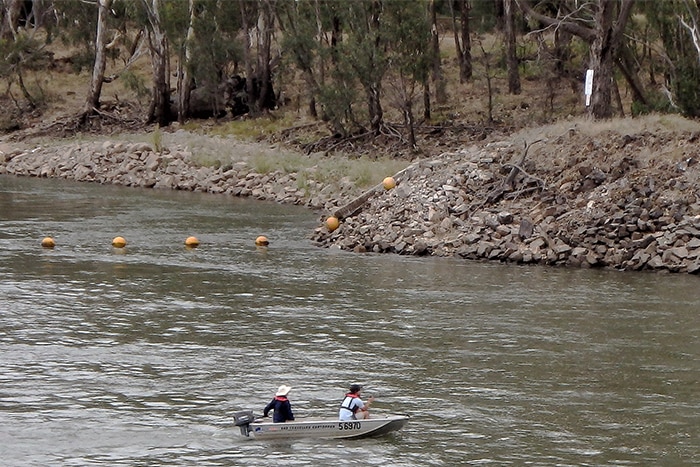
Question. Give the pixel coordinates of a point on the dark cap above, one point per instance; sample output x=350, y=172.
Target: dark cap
x=355, y=388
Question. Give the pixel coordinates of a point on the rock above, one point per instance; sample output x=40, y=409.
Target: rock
x=526, y=228
x=598, y=209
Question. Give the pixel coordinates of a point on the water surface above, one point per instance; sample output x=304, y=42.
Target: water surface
x=139, y=356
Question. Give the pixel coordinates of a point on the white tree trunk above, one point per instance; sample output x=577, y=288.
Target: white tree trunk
x=10, y=16
x=184, y=75
x=92, y=103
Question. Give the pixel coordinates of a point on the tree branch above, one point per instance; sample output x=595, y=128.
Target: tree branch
x=587, y=34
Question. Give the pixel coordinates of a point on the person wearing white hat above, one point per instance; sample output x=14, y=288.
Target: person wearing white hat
x=280, y=405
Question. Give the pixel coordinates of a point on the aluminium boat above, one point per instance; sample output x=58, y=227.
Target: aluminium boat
x=263, y=429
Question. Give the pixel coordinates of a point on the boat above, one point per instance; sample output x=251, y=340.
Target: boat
x=263, y=429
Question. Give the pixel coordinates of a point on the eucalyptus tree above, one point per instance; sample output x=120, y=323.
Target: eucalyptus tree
x=10, y=15
x=266, y=27
x=510, y=40
x=677, y=23
x=363, y=50
x=92, y=102
x=159, y=48
x=22, y=52
x=20, y=56
x=437, y=71
x=185, y=80
x=258, y=19
x=410, y=55
x=601, y=24
x=308, y=28
x=462, y=31
x=209, y=52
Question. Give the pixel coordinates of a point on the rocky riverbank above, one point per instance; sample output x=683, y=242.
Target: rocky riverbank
x=627, y=199
x=142, y=165
x=624, y=196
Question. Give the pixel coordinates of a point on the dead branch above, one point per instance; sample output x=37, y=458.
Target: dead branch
x=528, y=175
x=508, y=184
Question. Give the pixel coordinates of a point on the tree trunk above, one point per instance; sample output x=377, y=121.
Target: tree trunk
x=605, y=40
x=375, y=108
x=465, y=68
x=410, y=123
x=92, y=103
x=265, y=29
x=608, y=34
x=601, y=62
x=247, y=59
x=10, y=18
x=158, y=43
x=426, y=101
x=630, y=71
x=440, y=94
x=374, y=86
x=511, y=55
x=184, y=75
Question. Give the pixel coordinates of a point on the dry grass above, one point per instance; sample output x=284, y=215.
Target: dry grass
x=653, y=123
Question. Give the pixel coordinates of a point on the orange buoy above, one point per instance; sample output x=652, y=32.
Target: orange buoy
x=192, y=242
x=48, y=242
x=262, y=241
x=332, y=223
x=119, y=242
x=389, y=183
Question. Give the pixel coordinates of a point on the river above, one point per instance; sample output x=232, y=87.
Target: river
x=139, y=356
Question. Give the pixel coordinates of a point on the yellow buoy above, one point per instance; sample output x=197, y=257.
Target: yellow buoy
x=192, y=242
x=48, y=242
x=332, y=223
x=389, y=183
x=262, y=241
x=119, y=242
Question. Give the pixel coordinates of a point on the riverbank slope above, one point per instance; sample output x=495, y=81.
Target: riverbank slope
x=621, y=194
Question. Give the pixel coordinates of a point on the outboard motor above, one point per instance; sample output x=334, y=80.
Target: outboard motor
x=243, y=420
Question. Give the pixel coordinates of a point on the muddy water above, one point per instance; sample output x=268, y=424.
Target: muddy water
x=140, y=356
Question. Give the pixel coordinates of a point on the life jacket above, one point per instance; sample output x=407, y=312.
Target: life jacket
x=349, y=406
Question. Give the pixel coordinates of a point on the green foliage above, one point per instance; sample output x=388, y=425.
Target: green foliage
x=135, y=83
x=683, y=65
x=213, y=49
x=336, y=100
x=77, y=24
x=408, y=34
x=351, y=55
x=22, y=55
x=483, y=16
x=656, y=102
x=686, y=87
x=299, y=21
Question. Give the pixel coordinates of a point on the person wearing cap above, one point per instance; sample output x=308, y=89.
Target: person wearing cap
x=280, y=405
x=352, y=404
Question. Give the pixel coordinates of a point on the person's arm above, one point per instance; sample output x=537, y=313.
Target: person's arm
x=268, y=407
x=365, y=408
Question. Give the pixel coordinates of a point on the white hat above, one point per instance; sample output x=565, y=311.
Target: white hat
x=283, y=390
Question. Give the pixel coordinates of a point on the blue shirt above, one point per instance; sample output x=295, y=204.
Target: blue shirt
x=282, y=409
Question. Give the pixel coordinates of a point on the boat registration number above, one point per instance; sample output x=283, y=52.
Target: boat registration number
x=349, y=425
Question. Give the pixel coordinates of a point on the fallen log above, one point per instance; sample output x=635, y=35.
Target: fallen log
x=355, y=206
